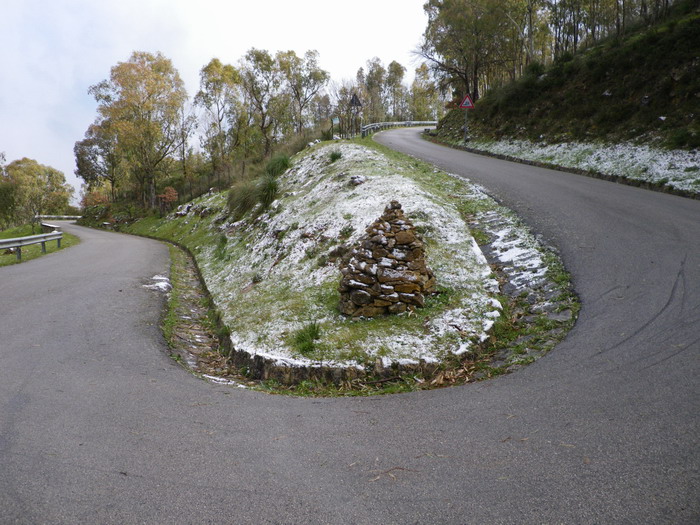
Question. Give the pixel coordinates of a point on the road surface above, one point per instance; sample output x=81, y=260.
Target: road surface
x=99, y=425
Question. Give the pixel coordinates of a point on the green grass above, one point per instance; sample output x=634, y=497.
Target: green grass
x=304, y=339
x=33, y=251
x=171, y=317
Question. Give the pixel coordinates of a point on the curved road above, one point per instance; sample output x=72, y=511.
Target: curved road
x=98, y=425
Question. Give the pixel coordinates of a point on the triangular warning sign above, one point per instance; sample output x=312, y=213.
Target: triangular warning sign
x=467, y=103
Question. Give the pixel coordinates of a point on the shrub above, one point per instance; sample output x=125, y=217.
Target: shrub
x=267, y=190
x=535, y=69
x=277, y=165
x=335, y=155
x=242, y=197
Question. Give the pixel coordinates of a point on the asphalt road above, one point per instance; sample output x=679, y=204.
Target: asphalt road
x=98, y=425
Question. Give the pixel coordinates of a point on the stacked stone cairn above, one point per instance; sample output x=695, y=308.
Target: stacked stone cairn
x=386, y=273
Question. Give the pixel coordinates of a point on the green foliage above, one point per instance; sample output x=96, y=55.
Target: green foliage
x=246, y=194
x=28, y=188
x=96, y=215
x=535, y=69
x=242, y=198
x=144, y=101
x=267, y=189
x=277, y=165
x=220, y=252
x=335, y=155
x=8, y=203
x=304, y=339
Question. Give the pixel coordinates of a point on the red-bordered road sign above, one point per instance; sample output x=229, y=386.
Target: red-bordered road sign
x=467, y=103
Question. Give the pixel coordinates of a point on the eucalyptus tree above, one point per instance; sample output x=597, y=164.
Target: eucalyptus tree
x=219, y=96
x=8, y=192
x=469, y=43
x=424, y=97
x=396, y=91
x=321, y=109
x=452, y=44
x=375, y=91
x=98, y=159
x=262, y=79
x=304, y=79
x=143, y=98
x=342, y=95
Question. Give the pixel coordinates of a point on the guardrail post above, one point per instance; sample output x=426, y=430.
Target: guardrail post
x=43, y=247
x=19, y=253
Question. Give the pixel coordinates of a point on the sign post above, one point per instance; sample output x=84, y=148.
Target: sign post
x=465, y=105
x=355, y=105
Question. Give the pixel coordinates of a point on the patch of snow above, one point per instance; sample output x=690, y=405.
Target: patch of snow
x=679, y=169
x=160, y=284
x=222, y=381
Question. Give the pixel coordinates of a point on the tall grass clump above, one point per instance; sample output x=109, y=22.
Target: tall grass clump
x=242, y=197
x=304, y=339
x=267, y=189
x=277, y=165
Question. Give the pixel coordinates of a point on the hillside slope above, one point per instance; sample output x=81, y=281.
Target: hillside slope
x=644, y=88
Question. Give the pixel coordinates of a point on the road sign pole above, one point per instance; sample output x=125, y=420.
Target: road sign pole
x=466, y=129
x=466, y=105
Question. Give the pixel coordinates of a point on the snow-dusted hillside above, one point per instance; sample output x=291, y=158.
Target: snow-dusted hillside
x=274, y=275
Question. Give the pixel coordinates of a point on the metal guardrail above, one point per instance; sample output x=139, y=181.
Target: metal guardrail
x=58, y=217
x=377, y=126
x=19, y=242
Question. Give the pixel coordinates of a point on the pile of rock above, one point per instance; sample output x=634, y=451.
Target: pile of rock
x=386, y=273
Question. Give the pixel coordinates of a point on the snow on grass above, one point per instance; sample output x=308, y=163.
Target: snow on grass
x=272, y=276
x=160, y=284
x=678, y=169
x=515, y=249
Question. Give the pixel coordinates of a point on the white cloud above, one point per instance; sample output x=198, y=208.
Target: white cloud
x=51, y=52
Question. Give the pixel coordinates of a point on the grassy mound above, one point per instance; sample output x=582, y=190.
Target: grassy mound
x=273, y=274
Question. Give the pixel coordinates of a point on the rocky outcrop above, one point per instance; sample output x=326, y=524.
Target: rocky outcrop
x=386, y=272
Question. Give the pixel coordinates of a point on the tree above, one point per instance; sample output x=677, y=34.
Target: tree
x=471, y=43
x=219, y=97
x=342, y=96
x=39, y=189
x=396, y=91
x=304, y=79
x=97, y=158
x=375, y=88
x=8, y=193
x=261, y=79
x=143, y=99
x=424, y=96
x=450, y=44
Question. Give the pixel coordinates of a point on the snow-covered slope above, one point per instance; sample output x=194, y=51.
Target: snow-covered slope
x=275, y=273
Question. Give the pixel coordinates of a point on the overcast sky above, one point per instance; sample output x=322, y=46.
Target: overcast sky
x=51, y=51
